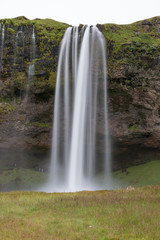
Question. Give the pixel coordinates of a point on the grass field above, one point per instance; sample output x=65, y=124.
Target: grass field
x=118, y=214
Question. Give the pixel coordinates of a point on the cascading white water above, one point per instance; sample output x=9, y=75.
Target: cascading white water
x=80, y=144
x=19, y=42
x=31, y=68
x=2, y=47
x=2, y=41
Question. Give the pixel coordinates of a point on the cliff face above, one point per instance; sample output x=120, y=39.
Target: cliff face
x=133, y=53
x=28, y=64
x=18, y=53
x=134, y=83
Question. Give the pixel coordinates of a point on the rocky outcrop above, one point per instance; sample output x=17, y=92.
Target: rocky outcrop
x=134, y=83
x=133, y=53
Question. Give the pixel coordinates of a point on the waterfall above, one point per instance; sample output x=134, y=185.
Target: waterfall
x=33, y=48
x=2, y=47
x=31, y=68
x=80, y=146
x=19, y=42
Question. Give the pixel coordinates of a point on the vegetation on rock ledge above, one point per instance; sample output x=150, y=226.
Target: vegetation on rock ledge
x=128, y=44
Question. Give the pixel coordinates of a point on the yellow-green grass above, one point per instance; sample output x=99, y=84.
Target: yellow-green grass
x=141, y=175
x=18, y=179
x=118, y=214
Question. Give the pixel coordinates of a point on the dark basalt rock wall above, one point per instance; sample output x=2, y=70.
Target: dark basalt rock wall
x=133, y=53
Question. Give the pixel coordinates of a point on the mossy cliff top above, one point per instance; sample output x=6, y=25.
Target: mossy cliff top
x=46, y=28
x=18, y=51
x=128, y=44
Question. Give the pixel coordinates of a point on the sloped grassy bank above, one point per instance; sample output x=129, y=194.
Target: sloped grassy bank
x=121, y=214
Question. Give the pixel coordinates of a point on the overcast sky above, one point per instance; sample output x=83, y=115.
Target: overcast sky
x=89, y=12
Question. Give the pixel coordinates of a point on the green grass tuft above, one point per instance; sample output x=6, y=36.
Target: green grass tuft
x=141, y=175
x=21, y=178
x=42, y=124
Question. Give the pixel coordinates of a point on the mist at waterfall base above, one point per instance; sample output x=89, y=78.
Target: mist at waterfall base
x=80, y=146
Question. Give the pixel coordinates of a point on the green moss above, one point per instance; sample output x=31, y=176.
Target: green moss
x=52, y=79
x=6, y=108
x=40, y=82
x=132, y=127
x=49, y=29
x=44, y=87
x=132, y=42
x=41, y=124
x=126, y=34
x=10, y=30
x=20, y=79
x=45, y=28
x=5, y=100
x=43, y=83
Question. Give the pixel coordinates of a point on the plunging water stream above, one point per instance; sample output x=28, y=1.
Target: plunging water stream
x=32, y=54
x=80, y=145
x=2, y=47
x=31, y=68
x=19, y=42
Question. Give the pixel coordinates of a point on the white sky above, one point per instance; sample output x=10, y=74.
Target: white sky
x=89, y=12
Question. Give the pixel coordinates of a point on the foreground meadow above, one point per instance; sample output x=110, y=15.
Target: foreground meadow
x=118, y=214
